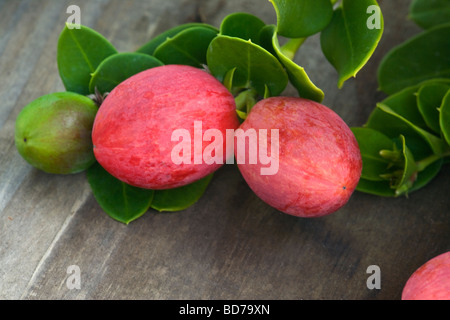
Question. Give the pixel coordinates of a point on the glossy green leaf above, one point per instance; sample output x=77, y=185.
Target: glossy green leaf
x=422, y=57
x=119, y=67
x=255, y=66
x=188, y=47
x=79, y=53
x=404, y=103
x=421, y=142
x=181, y=198
x=348, y=42
x=444, y=117
x=297, y=75
x=119, y=200
x=150, y=47
x=242, y=25
x=377, y=188
x=371, y=142
x=429, y=100
x=383, y=188
x=302, y=18
x=427, y=175
x=430, y=13
x=408, y=175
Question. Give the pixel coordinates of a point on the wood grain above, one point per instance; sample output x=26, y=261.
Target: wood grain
x=230, y=245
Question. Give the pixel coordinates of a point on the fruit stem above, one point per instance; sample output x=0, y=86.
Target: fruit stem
x=424, y=163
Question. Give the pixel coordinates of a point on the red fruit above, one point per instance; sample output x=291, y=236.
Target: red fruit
x=319, y=161
x=431, y=281
x=132, y=132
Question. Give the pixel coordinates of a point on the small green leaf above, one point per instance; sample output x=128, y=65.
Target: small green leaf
x=371, y=142
x=79, y=53
x=430, y=13
x=348, y=42
x=150, y=47
x=383, y=188
x=377, y=188
x=427, y=175
x=228, y=80
x=119, y=67
x=429, y=100
x=181, y=198
x=188, y=47
x=421, y=142
x=255, y=66
x=409, y=172
x=119, y=200
x=302, y=18
x=242, y=25
x=444, y=118
x=297, y=74
x=422, y=57
x=404, y=103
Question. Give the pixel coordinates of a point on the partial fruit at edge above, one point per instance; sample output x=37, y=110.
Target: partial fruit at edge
x=431, y=281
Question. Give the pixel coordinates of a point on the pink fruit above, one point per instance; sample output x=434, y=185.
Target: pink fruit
x=319, y=161
x=133, y=129
x=431, y=281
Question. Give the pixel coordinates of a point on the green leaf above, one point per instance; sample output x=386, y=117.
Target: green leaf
x=427, y=175
x=79, y=53
x=371, y=142
x=430, y=13
x=181, y=198
x=242, y=25
x=119, y=200
x=255, y=66
x=302, y=18
x=404, y=175
x=348, y=42
x=377, y=188
x=444, y=117
x=188, y=47
x=383, y=188
x=422, y=57
x=408, y=175
x=404, y=103
x=297, y=74
x=150, y=47
x=119, y=67
x=429, y=100
x=421, y=142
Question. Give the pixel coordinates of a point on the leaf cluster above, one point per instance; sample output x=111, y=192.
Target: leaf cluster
x=254, y=60
x=406, y=139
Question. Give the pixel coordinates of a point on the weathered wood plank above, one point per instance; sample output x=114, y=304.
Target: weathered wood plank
x=230, y=245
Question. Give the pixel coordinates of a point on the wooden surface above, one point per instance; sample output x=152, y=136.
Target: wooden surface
x=230, y=245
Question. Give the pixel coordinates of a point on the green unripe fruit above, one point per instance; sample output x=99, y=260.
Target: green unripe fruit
x=53, y=132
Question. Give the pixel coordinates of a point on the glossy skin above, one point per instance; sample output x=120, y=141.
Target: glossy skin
x=133, y=128
x=431, y=281
x=319, y=159
x=53, y=133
